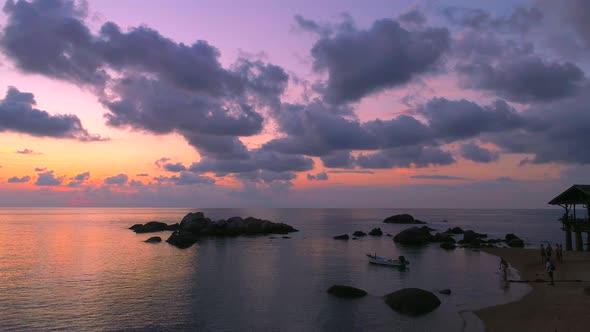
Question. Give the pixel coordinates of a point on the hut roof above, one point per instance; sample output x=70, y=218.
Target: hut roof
x=576, y=194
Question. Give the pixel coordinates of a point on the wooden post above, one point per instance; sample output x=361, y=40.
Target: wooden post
x=567, y=227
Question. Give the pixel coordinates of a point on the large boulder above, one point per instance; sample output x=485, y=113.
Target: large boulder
x=182, y=239
x=194, y=222
x=346, y=291
x=359, y=234
x=510, y=236
x=152, y=226
x=402, y=219
x=413, y=236
x=412, y=301
x=342, y=237
x=376, y=232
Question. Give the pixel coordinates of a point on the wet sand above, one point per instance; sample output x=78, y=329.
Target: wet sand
x=563, y=307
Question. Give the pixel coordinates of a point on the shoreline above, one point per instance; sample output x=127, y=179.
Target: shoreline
x=563, y=307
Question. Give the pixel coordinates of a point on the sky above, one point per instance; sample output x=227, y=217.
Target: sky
x=422, y=104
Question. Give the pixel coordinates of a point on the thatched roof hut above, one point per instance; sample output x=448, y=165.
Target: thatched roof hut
x=578, y=194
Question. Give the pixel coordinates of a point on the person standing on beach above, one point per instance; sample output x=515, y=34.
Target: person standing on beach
x=549, y=267
x=543, y=254
x=549, y=251
x=504, y=268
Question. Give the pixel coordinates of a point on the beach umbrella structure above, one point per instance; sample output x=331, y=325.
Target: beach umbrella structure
x=578, y=194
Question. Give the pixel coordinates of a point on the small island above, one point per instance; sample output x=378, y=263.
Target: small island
x=195, y=225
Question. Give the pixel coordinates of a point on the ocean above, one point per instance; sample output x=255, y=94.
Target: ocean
x=82, y=269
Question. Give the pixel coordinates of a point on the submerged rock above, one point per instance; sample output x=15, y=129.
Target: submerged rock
x=153, y=226
x=376, y=232
x=445, y=291
x=413, y=236
x=359, y=234
x=412, y=301
x=402, y=219
x=154, y=239
x=346, y=291
x=342, y=237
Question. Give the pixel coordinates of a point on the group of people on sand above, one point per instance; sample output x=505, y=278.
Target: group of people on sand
x=546, y=254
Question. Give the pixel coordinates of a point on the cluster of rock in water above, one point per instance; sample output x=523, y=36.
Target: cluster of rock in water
x=195, y=225
x=422, y=235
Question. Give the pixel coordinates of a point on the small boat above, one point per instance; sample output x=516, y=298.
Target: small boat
x=400, y=262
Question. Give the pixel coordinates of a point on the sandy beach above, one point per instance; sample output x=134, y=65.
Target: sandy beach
x=563, y=307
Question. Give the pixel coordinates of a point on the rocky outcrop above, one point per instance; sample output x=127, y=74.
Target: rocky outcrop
x=346, y=291
x=195, y=224
x=412, y=301
x=359, y=234
x=413, y=236
x=342, y=237
x=154, y=239
x=376, y=232
x=153, y=226
x=472, y=238
x=513, y=241
x=445, y=291
x=402, y=219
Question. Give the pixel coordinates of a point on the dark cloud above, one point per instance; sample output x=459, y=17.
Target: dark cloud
x=552, y=132
x=177, y=167
x=119, y=179
x=27, y=151
x=523, y=79
x=82, y=177
x=142, y=174
x=351, y=171
x=338, y=159
x=259, y=159
x=312, y=26
x=410, y=156
x=361, y=62
x=50, y=38
x=79, y=179
x=161, y=162
x=179, y=88
x=317, y=129
x=459, y=119
x=520, y=20
x=571, y=15
x=40, y=169
x=413, y=16
x=478, y=154
x=49, y=179
x=16, y=179
x=267, y=176
x=185, y=178
x=438, y=177
x=17, y=114
x=323, y=176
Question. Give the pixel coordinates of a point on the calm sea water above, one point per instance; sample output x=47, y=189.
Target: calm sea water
x=81, y=269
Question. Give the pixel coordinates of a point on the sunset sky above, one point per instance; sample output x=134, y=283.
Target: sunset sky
x=293, y=103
